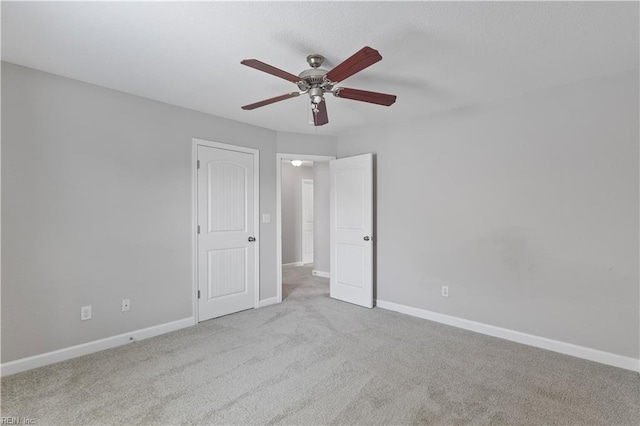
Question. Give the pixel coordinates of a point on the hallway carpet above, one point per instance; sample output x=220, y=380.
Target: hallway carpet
x=314, y=360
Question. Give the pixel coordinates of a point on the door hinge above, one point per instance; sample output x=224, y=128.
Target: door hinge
x=198, y=229
x=198, y=164
x=198, y=294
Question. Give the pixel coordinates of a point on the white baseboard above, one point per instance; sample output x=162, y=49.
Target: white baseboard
x=267, y=302
x=321, y=273
x=608, y=358
x=293, y=264
x=41, y=360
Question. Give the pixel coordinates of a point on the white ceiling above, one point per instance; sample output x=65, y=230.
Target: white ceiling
x=436, y=56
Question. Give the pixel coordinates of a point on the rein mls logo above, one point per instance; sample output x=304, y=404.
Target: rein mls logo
x=17, y=421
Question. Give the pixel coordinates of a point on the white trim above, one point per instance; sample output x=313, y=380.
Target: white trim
x=41, y=360
x=279, y=158
x=293, y=264
x=194, y=208
x=267, y=302
x=322, y=274
x=194, y=230
x=517, y=336
x=256, y=165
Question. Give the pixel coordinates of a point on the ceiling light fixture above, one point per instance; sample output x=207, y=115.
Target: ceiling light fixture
x=296, y=163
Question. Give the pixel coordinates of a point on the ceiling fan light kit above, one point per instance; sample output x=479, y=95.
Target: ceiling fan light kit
x=316, y=82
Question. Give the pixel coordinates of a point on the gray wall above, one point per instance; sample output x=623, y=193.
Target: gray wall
x=299, y=143
x=96, y=207
x=291, y=194
x=527, y=209
x=321, y=225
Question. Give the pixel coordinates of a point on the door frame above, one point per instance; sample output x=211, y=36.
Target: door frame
x=303, y=209
x=279, y=158
x=194, y=215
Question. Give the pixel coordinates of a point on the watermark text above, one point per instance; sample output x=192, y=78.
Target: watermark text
x=17, y=421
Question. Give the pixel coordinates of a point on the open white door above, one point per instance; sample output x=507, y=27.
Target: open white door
x=227, y=251
x=351, y=215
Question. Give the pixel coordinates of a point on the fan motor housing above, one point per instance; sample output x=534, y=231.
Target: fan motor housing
x=313, y=75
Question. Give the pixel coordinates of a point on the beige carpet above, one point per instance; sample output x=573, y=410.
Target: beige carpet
x=314, y=360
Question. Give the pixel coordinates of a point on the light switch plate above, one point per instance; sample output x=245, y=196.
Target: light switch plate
x=266, y=218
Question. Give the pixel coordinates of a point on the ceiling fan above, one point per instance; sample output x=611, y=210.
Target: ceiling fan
x=317, y=81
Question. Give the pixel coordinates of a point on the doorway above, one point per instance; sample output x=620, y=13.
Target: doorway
x=302, y=221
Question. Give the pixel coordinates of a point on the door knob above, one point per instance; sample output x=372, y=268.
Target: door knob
x=252, y=239
x=366, y=238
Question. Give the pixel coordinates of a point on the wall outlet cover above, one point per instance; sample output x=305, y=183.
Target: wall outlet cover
x=85, y=313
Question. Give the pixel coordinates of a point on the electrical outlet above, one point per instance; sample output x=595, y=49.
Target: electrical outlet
x=126, y=305
x=266, y=218
x=445, y=291
x=85, y=313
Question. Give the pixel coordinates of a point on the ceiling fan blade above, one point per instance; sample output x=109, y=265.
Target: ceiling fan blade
x=271, y=100
x=365, y=96
x=261, y=66
x=321, y=118
x=357, y=62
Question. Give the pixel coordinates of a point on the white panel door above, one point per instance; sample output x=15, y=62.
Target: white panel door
x=307, y=220
x=227, y=274
x=351, y=219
